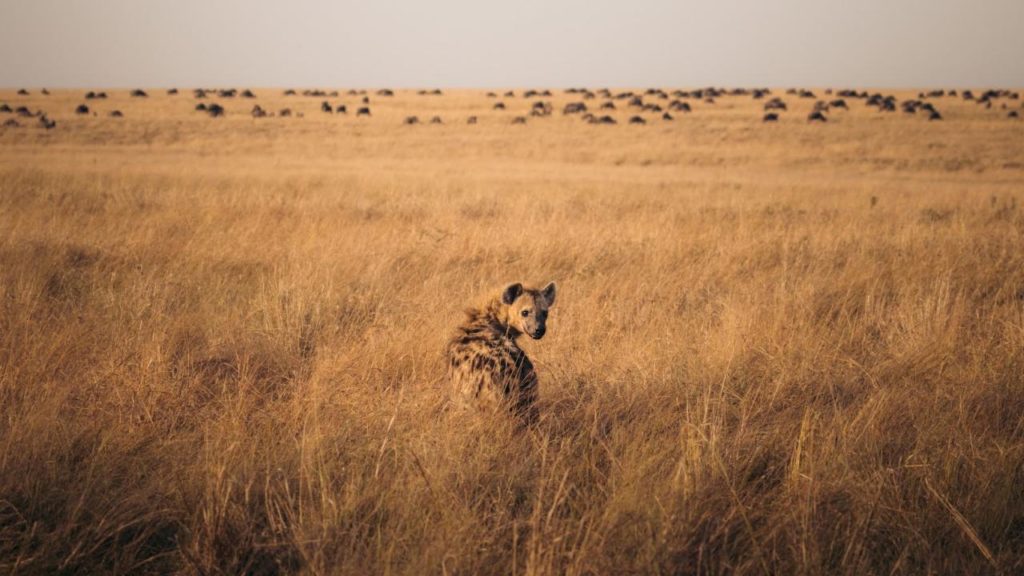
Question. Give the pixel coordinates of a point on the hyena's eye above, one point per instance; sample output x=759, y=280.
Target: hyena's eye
x=526, y=312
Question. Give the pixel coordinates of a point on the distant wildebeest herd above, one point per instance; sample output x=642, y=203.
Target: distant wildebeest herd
x=590, y=106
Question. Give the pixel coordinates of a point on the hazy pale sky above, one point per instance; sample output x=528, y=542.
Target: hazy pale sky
x=542, y=43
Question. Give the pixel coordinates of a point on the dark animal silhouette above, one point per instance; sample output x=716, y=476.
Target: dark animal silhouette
x=137, y=93
x=771, y=117
x=47, y=123
x=215, y=110
x=116, y=114
x=637, y=120
x=82, y=109
x=816, y=116
x=574, y=108
x=364, y=111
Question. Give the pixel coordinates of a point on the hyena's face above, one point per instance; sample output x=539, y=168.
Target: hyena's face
x=528, y=309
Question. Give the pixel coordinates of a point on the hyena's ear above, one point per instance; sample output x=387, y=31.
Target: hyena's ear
x=511, y=293
x=549, y=293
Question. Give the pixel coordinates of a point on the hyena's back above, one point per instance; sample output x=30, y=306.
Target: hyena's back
x=488, y=372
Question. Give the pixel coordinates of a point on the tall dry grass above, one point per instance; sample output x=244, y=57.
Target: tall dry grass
x=220, y=344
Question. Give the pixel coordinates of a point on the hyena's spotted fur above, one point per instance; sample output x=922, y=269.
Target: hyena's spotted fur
x=486, y=366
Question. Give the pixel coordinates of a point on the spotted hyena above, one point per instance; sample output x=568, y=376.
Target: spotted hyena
x=486, y=366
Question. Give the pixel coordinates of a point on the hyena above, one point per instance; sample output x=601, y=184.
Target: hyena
x=486, y=366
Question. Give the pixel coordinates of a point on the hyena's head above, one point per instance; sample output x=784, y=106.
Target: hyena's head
x=528, y=308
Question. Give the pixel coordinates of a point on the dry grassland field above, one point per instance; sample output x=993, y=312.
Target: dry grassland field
x=778, y=348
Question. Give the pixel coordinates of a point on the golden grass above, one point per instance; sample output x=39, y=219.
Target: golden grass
x=789, y=349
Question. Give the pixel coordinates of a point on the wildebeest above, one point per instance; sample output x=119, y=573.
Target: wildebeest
x=410, y=120
x=385, y=92
x=45, y=92
x=608, y=106
x=471, y=120
x=82, y=109
x=215, y=110
x=289, y=92
x=24, y=112
x=366, y=99
x=519, y=120
x=574, y=108
x=770, y=117
x=667, y=116
x=637, y=120
x=285, y=112
x=541, y=108
x=22, y=92
x=816, y=116
x=228, y=93
x=247, y=93
x=603, y=120
x=492, y=95
x=326, y=107
x=499, y=106
x=199, y=93
x=679, y=106
x=934, y=115
x=46, y=123
x=139, y=93
x=172, y=91
x=5, y=109
x=839, y=103
x=775, y=104
x=11, y=123
x=116, y=114
x=364, y=111
x=258, y=112
x=200, y=107
x=341, y=109
x=510, y=94
x=1013, y=114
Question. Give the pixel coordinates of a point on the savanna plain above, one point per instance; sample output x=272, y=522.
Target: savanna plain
x=778, y=348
